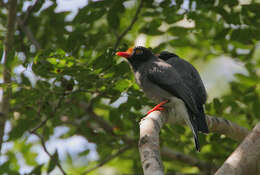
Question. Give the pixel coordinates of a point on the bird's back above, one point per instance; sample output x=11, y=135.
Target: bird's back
x=189, y=75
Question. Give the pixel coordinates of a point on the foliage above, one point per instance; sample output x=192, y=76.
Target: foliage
x=79, y=80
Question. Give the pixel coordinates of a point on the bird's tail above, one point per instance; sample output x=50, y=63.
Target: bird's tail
x=201, y=121
x=193, y=125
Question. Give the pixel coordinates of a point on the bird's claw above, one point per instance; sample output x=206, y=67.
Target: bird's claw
x=158, y=107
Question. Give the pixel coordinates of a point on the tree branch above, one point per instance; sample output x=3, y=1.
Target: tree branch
x=8, y=55
x=216, y=125
x=106, y=125
x=130, y=26
x=167, y=152
x=107, y=159
x=149, y=147
x=47, y=152
x=246, y=158
x=22, y=24
x=174, y=155
x=226, y=127
x=28, y=33
x=149, y=137
x=29, y=11
x=42, y=123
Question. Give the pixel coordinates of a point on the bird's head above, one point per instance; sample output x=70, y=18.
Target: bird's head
x=137, y=55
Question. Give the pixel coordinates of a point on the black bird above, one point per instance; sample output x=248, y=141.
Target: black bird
x=166, y=77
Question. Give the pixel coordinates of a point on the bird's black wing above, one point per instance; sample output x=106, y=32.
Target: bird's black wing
x=192, y=80
x=168, y=79
x=189, y=75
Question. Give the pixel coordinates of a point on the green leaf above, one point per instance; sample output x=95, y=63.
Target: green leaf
x=21, y=127
x=178, y=31
x=5, y=168
x=245, y=36
x=37, y=170
x=217, y=105
x=84, y=153
x=53, y=161
x=25, y=80
x=113, y=19
x=152, y=28
x=122, y=85
x=249, y=81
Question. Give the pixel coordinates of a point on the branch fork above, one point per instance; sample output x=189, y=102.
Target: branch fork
x=150, y=126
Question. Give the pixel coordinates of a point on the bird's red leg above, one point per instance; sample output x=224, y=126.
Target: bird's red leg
x=158, y=107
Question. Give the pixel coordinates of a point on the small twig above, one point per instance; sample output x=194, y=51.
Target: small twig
x=28, y=33
x=25, y=28
x=121, y=36
x=29, y=11
x=47, y=152
x=130, y=26
x=107, y=159
x=175, y=155
x=42, y=123
x=106, y=125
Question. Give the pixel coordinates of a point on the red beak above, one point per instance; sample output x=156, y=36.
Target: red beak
x=123, y=54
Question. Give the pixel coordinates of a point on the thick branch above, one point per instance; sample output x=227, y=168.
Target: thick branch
x=217, y=125
x=8, y=54
x=149, y=147
x=246, y=158
x=226, y=127
x=149, y=138
x=165, y=151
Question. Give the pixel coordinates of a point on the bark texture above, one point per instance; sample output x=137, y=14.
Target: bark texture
x=217, y=125
x=226, y=127
x=149, y=147
x=245, y=160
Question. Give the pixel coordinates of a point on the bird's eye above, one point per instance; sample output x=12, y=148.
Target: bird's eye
x=138, y=52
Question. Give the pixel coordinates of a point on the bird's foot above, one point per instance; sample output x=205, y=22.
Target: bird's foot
x=158, y=107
